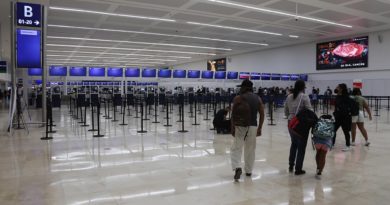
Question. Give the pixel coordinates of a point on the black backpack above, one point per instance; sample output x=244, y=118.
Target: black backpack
x=347, y=107
x=354, y=109
x=241, y=113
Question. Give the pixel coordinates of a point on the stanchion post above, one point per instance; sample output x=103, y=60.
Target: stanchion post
x=182, y=119
x=142, y=119
x=98, y=121
x=167, y=114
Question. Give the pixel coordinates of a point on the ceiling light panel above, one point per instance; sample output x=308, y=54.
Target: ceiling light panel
x=259, y=9
x=138, y=42
x=157, y=34
x=131, y=49
x=119, y=54
x=109, y=14
x=234, y=28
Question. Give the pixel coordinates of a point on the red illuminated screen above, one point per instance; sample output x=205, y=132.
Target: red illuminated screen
x=343, y=54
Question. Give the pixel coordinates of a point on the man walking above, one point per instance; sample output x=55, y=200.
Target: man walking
x=245, y=128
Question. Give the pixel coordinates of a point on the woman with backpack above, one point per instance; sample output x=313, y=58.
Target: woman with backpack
x=358, y=121
x=342, y=114
x=296, y=102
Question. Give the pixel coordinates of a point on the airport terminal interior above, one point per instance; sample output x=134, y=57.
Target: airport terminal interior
x=131, y=101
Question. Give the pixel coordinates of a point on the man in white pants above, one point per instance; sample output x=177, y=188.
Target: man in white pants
x=245, y=128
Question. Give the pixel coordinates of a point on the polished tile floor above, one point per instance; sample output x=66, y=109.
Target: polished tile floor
x=163, y=166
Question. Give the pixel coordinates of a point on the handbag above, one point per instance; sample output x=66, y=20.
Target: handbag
x=295, y=121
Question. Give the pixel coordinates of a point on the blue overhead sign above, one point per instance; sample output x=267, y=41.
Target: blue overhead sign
x=28, y=48
x=28, y=14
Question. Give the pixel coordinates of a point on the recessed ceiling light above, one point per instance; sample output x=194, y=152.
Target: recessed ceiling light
x=138, y=42
x=159, y=34
x=130, y=49
x=234, y=28
x=280, y=13
x=110, y=14
x=293, y=36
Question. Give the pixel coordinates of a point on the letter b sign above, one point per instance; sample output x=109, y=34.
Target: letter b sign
x=28, y=11
x=28, y=14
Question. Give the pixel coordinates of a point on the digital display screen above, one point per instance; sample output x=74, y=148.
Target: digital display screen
x=275, y=76
x=217, y=65
x=38, y=82
x=232, y=75
x=35, y=71
x=193, y=74
x=245, y=75
x=115, y=72
x=266, y=76
x=132, y=72
x=78, y=71
x=343, y=54
x=255, y=76
x=3, y=66
x=304, y=77
x=294, y=77
x=97, y=71
x=164, y=73
x=179, y=73
x=285, y=77
x=220, y=75
x=149, y=73
x=207, y=74
x=58, y=71
x=28, y=48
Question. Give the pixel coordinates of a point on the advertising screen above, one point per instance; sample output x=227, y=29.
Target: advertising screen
x=179, y=74
x=217, y=65
x=97, y=71
x=275, y=76
x=58, y=71
x=132, y=72
x=220, y=75
x=266, y=76
x=115, y=72
x=207, y=74
x=193, y=74
x=164, y=73
x=28, y=48
x=255, y=76
x=342, y=54
x=35, y=71
x=149, y=73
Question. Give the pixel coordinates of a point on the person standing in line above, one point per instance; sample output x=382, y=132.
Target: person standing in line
x=342, y=114
x=245, y=128
x=358, y=121
x=296, y=102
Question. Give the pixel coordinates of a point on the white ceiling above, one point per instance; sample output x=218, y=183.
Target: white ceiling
x=363, y=15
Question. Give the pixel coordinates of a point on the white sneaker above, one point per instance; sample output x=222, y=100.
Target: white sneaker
x=346, y=149
x=353, y=144
x=367, y=144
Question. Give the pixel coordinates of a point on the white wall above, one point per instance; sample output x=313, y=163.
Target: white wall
x=301, y=59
